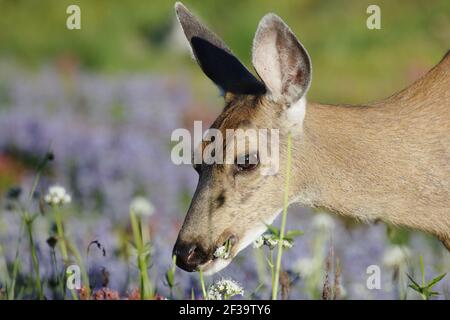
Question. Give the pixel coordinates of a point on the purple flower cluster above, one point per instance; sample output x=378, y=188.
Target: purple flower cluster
x=111, y=137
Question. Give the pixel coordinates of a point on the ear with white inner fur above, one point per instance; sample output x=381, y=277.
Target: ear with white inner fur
x=280, y=60
x=215, y=58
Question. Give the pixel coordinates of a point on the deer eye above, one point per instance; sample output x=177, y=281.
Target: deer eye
x=247, y=162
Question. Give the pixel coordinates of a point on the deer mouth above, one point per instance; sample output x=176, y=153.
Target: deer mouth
x=221, y=257
x=218, y=262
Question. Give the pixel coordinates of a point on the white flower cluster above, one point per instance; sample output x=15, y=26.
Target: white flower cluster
x=222, y=252
x=57, y=195
x=396, y=255
x=224, y=289
x=142, y=207
x=271, y=241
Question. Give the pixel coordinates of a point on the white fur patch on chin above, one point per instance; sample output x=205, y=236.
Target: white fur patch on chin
x=216, y=266
x=295, y=114
x=253, y=234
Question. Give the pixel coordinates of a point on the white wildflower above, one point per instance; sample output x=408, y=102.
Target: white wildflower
x=271, y=241
x=396, y=255
x=323, y=221
x=259, y=242
x=224, y=289
x=142, y=207
x=57, y=195
x=222, y=252
x=287, y=244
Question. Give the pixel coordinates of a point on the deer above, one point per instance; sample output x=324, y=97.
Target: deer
x=387, y=160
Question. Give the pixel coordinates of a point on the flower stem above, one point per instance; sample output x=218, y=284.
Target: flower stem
x=272, y=268
x=55, y=266
x=202, y=283
x=136, y=226
x=60, y=232
x=84, y=274
x=34, y=258
x=4, y=267
x=16, y=263
x=63, y=248
x=283, y=219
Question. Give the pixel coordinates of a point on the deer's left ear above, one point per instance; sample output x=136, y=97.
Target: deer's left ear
x=215, y=58
x=280, y=60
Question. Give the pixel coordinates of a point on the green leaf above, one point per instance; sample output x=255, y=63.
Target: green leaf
x=435, y=280
x=290, y=235
x=228, y=246
x=415, y=288
x=273, y=230
x=412, y=280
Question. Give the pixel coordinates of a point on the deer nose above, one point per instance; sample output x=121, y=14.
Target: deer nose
x=189, y=255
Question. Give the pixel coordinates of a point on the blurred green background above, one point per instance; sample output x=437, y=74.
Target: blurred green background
x=351, y=63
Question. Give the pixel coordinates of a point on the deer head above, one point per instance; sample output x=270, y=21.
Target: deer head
x=387, y=160
x=234, y=201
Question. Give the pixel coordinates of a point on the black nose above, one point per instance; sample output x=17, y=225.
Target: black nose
x=189, y=255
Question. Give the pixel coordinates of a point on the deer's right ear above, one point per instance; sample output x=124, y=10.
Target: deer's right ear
x=215, y=58
x=280, y=60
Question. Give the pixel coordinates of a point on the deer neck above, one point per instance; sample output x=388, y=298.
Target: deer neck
x=328, y=163
x=388, y=161
x=360, y=161
x=342, y=162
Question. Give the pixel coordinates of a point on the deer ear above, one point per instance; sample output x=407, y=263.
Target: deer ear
x=280, y=60
x=215, y=58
